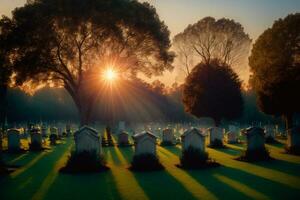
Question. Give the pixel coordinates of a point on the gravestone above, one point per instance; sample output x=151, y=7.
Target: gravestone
x=123, y=138
x=144, y=143
x=168, y=136
x=121, y=126
x=13, y=139
x=193, y=138
x=255, y=138
x=68, y=129
x=87, y=140
x=59, y=132
x=269, y=132
x=215, y=135
x=232, y=137
x=36, y=138
x=44, y=131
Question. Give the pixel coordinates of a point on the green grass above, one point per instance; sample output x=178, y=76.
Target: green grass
x=38, y=178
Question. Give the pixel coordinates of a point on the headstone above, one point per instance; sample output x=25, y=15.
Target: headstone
x=53, y=130
x=255, y=138
x=121, y=126
x=168, y=136
x=36, y=138
x=215, y=133
x=13, y=139
x=123, y=138
x=193, y=138
x=59, y=132
x=44, y=131
x=269, y=131
x=68, y=129
x=145, y=143
x=87, y=140
x=232, y=137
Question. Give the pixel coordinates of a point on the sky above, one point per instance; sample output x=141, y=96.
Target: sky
x=254, y=15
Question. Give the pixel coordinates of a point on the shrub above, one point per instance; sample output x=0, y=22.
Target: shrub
x=167, y=143
x=85, y=162
x=270, y=140
x=217, y=144
x=146, y=162
x=255, y=155
x=196, y=158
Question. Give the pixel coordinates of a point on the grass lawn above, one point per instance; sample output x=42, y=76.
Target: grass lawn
x=38, y=178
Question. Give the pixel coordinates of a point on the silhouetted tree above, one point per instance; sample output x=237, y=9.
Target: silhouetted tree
x=275, y=63
x=213, y=90
x=69, y=43
x=209, y=39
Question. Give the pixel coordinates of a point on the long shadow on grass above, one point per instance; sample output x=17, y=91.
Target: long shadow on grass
x=26, y=184
x=229, y=151
x=159, y=184
x=206, y=178
x=267, y=187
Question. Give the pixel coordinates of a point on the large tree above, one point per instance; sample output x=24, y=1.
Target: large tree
x=275, y=63
x=213, y=90
x=5, y=70
x=209, y=39
x=70, y=42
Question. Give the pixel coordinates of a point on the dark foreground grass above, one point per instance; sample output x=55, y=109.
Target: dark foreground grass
x=39, y=177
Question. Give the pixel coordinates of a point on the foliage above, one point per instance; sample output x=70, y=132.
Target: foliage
x=255, y=155
x=275, y=63
x=146, y=162
x=213, y=90
x=85, y=162
x=193, y=158
x=167, y=143
x=217, y=144
x=83, y=38
x=209, y=39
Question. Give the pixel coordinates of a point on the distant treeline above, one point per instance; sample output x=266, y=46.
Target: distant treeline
x=135, y=101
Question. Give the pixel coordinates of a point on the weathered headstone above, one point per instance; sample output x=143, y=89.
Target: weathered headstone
x=232, y=137
x=36, y=138
x=145, y=143
x=255, y=138
x=216, y=135
x=168, y=136
x=68, y=129
x=44, y=131
x=13, y=139
x=123, y=138
x=193, y=138
x=87, y=140
x=269, y=132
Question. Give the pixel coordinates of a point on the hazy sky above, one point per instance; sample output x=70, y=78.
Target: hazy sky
x=254, y=15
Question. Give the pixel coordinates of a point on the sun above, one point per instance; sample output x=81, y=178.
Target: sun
x=110, y=75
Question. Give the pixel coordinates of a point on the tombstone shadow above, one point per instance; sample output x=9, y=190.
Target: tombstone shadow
x=228, y=150
x=267, y=187
x=32, y=178
x=290, y=168
x=152, y=182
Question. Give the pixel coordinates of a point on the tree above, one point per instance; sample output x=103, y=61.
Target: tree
x=5, y=71
x=275, y=63
x=209, y=39
x=213, y=90
x=70, y=42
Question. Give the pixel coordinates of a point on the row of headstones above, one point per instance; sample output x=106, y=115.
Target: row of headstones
x=37, y=135
x=88, y=140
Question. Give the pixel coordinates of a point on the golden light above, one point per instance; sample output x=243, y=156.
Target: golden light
x=110, y=75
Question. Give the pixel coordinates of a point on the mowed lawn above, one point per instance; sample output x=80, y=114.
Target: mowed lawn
x=38, y=177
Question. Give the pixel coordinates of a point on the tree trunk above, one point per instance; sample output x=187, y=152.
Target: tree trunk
x=293, y=136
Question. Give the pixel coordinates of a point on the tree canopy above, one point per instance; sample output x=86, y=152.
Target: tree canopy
x=213, y=90
x=209, y=39
x=275, y=63
x=69, y=42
